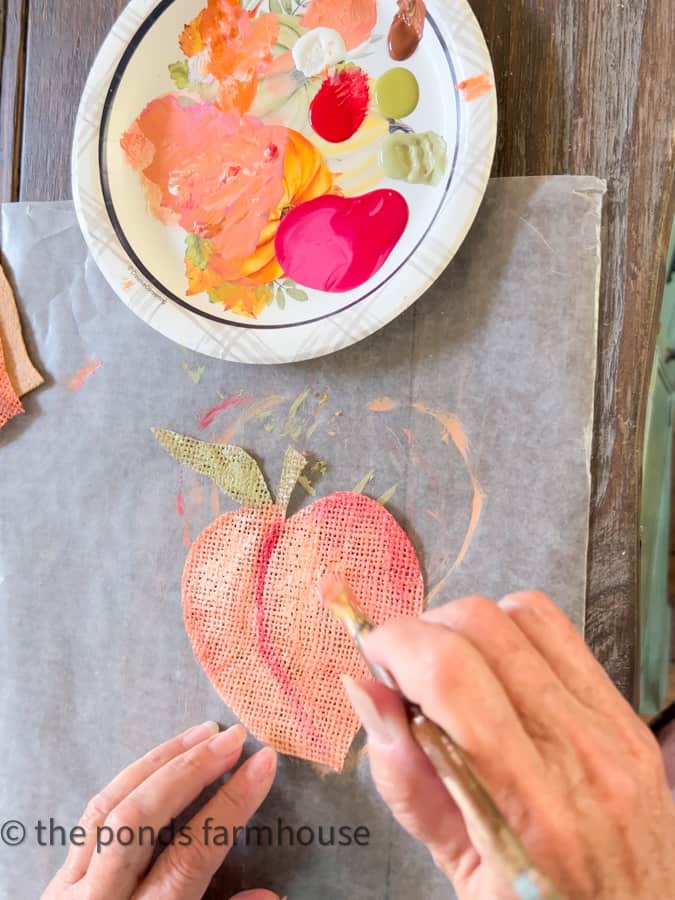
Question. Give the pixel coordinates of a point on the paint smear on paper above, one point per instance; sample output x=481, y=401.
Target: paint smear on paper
x=382, y=404
x=473, y=88
x=195, y=375
x=127, y=284
x=77, y=381
x=452, y=432
x=304, y=414
x=211, y=415
x=256, y=410
x=364, y=482
x=313, y=472
x=388, y=494
x=180, y=508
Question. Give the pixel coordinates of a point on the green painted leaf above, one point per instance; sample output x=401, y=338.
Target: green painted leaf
x=179, y=73
x=197, y=250
x=281, y=299
x=235, y=471
x=296, y=294
x=275, y=7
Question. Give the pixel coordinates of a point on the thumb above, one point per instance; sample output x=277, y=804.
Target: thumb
x=406, y=779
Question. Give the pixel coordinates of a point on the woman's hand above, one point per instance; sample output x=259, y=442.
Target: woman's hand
x=148, y=795
x=573, y=769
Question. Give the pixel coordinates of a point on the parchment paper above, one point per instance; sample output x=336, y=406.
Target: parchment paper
x=95, y=665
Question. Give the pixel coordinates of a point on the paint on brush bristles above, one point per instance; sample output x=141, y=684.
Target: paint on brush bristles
x=336, y=596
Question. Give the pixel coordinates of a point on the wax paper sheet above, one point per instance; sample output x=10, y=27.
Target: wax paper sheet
x=470, y=417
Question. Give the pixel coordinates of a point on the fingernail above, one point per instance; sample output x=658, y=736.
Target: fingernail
x=260, y=765
x=377, y=728
x=228, y=741
x=198, y=733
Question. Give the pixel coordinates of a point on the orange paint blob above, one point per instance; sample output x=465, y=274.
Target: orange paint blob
x=236, y=48
x=473, y=88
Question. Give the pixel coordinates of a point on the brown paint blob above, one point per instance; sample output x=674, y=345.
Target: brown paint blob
x=407, y=29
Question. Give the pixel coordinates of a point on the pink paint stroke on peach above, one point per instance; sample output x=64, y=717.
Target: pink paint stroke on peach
x=473, y=88
x=209, y=417
x=77, y=381
x=265, y=639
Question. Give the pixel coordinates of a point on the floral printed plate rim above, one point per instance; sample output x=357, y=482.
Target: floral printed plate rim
x=325, y=324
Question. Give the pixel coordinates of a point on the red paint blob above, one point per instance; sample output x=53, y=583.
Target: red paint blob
x=338, y=110
x=337, y=243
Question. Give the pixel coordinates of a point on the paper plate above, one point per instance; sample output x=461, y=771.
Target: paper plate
x=189, y=234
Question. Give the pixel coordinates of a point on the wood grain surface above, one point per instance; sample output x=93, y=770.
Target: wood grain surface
x=584, y=87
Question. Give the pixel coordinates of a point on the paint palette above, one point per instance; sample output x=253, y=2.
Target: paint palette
x=272, y=182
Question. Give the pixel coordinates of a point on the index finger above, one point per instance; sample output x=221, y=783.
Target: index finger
x=100, y=806
x=152, y=805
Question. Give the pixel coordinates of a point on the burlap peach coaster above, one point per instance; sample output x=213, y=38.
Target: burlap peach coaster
x=252, y=610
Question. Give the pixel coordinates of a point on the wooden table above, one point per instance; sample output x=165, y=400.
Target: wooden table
x=585, y=87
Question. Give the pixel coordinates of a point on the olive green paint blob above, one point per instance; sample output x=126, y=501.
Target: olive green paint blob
x=415, y=158
x=397, y=93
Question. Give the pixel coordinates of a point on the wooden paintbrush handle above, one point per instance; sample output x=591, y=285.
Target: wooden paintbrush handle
x=479, y=809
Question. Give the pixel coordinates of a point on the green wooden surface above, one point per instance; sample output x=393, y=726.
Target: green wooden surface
x=655, y=514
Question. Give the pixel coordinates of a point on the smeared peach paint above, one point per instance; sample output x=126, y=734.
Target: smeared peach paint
x=185, y=155
x=210, y=416
x=452, y=431
x=76, y=382
x=382, y=404
x=473, y=88
x=452, y=428
x=354, y=19
x=254, y=411
x=127, y=284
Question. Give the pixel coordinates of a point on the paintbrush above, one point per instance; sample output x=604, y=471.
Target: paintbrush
x=448, y=759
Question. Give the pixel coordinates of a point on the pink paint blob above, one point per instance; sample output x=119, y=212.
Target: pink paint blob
x=337, y=243
x=338, y=110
